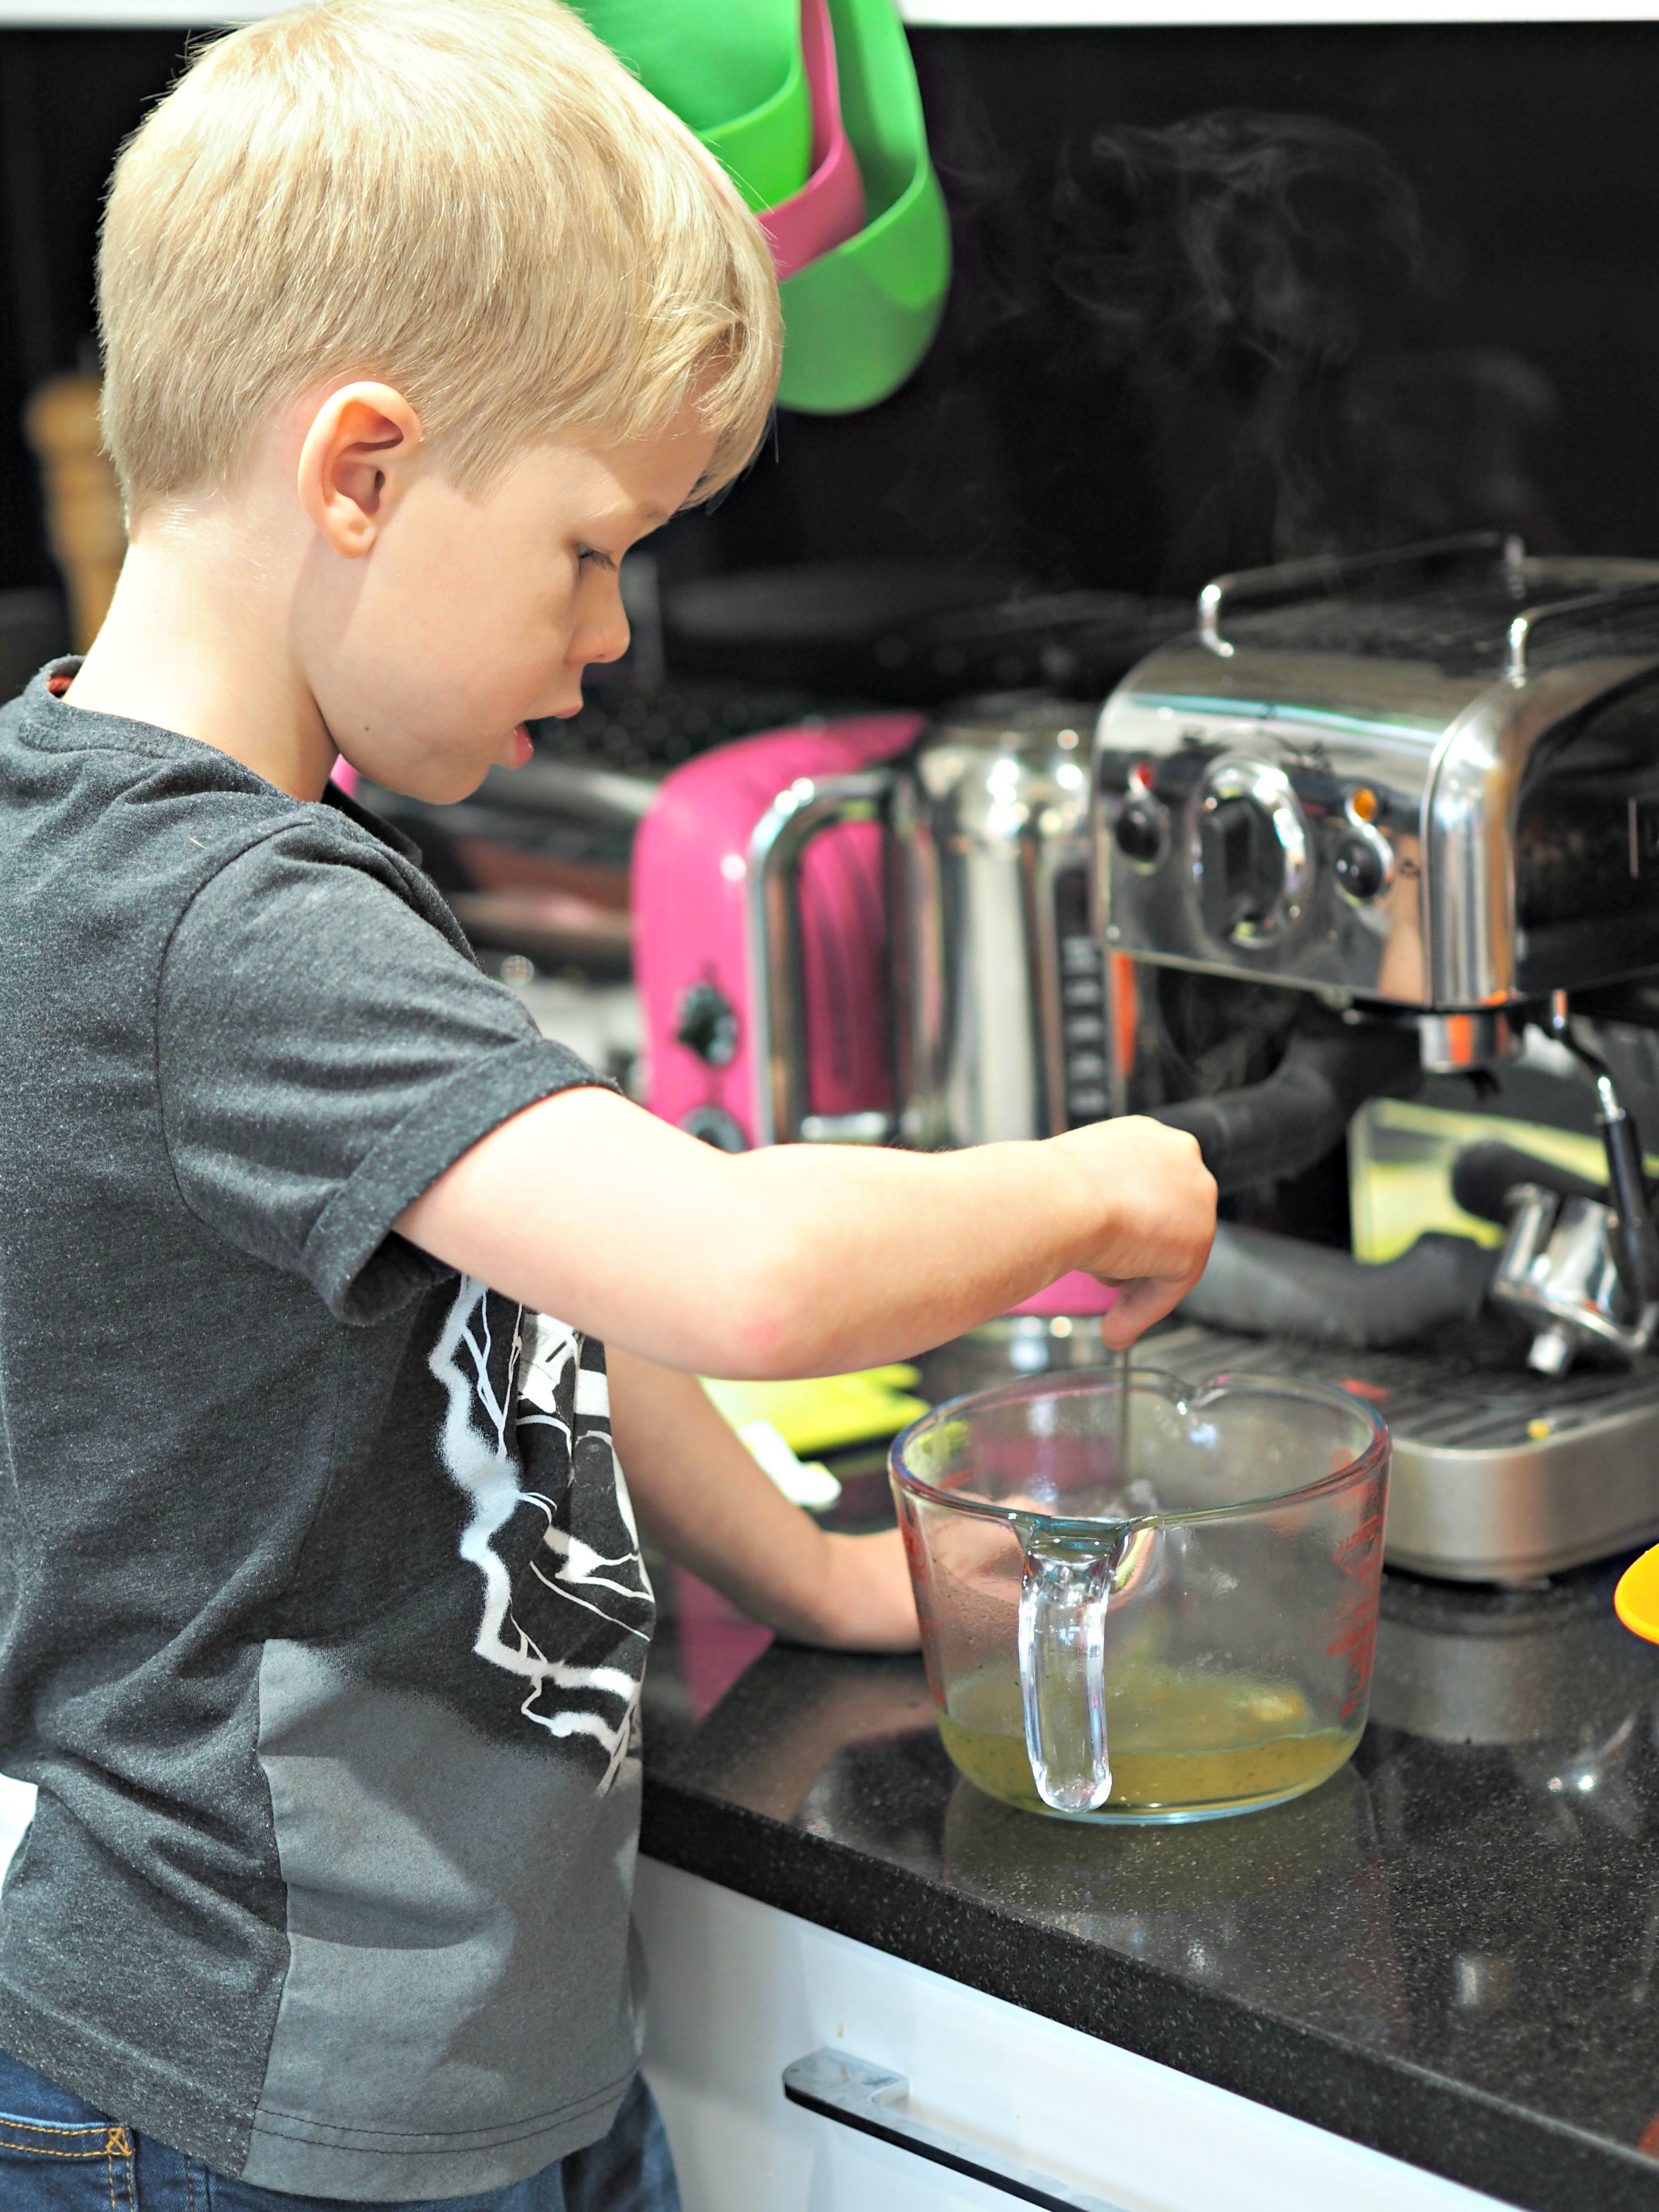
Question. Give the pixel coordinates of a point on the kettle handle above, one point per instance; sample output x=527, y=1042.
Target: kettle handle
x=780, y=837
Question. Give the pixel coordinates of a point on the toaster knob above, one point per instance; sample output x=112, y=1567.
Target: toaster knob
x=1142, y=833
x=707, y=1024
x=713, y=1125
x=1361, y=868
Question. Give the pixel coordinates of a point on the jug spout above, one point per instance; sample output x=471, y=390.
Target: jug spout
x=1063, y=1655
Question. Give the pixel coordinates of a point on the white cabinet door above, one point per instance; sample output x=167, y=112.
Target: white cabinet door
x=737, y=1991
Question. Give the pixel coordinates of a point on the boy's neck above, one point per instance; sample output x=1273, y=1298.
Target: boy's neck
x=196, y=641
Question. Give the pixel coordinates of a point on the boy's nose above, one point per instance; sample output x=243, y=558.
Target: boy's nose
x=606, y=641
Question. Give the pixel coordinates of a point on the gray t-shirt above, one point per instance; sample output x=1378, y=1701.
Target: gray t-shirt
x=322, y=1617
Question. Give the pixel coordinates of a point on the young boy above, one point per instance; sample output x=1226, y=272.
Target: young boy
x=323, y=1617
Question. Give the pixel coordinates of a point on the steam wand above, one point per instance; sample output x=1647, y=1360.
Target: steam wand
x=1635, y=1246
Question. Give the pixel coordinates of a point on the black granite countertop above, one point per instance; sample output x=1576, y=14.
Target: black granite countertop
x=1449, y=1952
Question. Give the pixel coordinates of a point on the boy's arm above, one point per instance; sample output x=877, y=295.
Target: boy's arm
x=805, y=1260
x=700, y=1496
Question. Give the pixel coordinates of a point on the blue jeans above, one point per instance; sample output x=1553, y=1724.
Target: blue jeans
x=58, y=2153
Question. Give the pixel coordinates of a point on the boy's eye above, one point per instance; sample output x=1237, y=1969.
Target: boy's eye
x=587, y=554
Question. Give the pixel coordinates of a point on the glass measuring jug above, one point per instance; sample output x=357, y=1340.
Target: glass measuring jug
x=1150, y=1601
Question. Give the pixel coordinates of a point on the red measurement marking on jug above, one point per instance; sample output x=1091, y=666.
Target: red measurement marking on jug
x=1358, y=1648
x=1353, y=1554
x=1374, y=1392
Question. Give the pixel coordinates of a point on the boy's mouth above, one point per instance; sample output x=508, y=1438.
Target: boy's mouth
x=520, y=748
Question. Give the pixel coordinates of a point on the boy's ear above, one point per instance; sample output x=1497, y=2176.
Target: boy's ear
x=354, y=463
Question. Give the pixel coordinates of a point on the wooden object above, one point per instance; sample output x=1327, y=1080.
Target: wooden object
x=85, y=525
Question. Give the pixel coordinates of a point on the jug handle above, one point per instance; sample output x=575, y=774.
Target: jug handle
x=782, y=835
x=1062, y=1665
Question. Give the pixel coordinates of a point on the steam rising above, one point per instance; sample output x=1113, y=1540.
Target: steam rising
x=1253, y=278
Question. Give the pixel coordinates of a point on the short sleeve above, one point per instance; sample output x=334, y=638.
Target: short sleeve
x=325, y=1052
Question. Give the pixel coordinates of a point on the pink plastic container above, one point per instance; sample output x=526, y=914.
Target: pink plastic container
x=1078, y=1294
x=829, y=208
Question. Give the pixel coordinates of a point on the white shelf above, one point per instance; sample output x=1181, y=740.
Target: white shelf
x=1030, y=15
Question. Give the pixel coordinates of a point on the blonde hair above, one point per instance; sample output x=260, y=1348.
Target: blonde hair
x=469, y=199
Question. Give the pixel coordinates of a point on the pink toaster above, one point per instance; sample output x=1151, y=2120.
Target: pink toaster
x=692, y=952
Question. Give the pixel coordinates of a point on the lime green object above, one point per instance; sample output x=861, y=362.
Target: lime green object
x=1401, y=1155
x=858, y=319
x=827, y=1413
x=763, y=149
x=733, y=72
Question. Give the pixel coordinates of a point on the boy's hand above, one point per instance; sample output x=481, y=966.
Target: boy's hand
x=1159, y=1198
x=869, y=1605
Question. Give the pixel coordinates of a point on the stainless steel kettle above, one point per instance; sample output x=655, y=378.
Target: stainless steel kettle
x=999, y=1004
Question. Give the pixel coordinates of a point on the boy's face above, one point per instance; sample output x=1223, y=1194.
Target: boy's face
x=469, y=616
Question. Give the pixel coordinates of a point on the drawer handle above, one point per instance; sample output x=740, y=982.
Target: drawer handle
x=862, y=2096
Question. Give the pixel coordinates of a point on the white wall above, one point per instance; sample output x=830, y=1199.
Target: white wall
x=16, y=1811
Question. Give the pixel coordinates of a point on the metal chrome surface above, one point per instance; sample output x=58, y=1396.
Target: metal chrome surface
x=1004, y=1033
x=1453, y=1043
x=1560, y=1273
x=1523, y=630
x=1325, y=572
x=1422, y=699
x=780, y=837
x=999, y=995
x=1498, y=1476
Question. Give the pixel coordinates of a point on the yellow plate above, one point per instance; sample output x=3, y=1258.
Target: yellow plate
x=829, y=1412
x=1636, y=1601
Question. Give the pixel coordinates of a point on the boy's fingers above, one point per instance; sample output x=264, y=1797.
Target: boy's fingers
x=1134, y=1313
x=1139, y=1305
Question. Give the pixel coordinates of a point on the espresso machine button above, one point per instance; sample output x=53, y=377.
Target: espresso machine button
x=1361, y=867
x=707, y=1024
x=1143, y=833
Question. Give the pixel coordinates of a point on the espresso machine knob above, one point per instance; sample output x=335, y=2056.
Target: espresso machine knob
x=1142, y=833
x=1244, y=868
x=1253, y=852
x=1361, y=867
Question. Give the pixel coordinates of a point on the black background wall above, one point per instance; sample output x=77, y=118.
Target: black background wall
x=1220, y=295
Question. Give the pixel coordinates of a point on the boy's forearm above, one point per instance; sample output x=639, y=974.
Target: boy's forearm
x=854, y=1256
x=790, y=1261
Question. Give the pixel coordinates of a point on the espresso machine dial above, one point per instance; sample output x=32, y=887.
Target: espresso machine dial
x=1251, y=852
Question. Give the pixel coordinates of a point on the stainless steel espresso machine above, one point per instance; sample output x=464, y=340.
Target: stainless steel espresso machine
x=1374, y=819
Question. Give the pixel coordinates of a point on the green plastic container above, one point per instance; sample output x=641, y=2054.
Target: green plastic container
x=730, y=69
x=858, y=319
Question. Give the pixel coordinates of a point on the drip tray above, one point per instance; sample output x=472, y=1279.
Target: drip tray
x=1499, y=1475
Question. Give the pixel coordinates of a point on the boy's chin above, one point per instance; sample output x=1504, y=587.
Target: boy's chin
x=433, y=783
x=439, y=779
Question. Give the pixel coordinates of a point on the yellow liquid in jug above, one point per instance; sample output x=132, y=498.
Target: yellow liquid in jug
x=1177, y=1741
